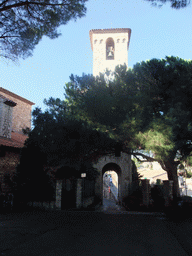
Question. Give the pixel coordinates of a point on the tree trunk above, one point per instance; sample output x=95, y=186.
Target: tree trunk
x=170, y=166
x=172, y=175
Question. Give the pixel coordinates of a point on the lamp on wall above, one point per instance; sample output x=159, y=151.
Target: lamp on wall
x=83, y=175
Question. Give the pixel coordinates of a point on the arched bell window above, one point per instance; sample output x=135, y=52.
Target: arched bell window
x=110, y=49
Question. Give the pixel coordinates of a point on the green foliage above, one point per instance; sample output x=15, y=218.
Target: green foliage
x=175, y=4
x=135, y=175
x=147, y=107
x=158, y=182
x=187, y=162
x=66, y=140
x=58, y=140
x=158, y=138
x=136, y=162
x=24, y=23
x=105, y=106
x=188, y=174
x=185, y=168
x=26, y=130
x=144, y=108
x=167, y=85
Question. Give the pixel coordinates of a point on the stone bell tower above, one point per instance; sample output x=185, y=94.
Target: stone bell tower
x=109, y=48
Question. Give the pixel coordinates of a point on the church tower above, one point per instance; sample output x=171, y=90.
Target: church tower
x=109, y=48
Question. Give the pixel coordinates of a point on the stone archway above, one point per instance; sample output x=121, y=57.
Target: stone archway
x=115, y=189
x=122, y=166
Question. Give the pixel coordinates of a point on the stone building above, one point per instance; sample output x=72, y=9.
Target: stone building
x=109, y=48
x=21, y=113
x=15, y=115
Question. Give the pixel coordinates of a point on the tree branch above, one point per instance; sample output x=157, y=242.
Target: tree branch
x=27, y=3
x=149, y=159
x=4, y=2
x=2, y=37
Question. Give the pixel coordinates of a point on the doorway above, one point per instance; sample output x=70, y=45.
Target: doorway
x=68, y=197
x=111, y=183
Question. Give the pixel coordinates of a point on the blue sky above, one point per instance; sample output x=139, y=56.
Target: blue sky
x=156, y=33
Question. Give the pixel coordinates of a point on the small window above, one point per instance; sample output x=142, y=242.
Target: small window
x=123, y=40
x=118, y=40
x=101, y=41
x=110, y=49
x=95, y=41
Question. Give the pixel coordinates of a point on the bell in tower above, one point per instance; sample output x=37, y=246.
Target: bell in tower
x=110, y=52
x=110, y=49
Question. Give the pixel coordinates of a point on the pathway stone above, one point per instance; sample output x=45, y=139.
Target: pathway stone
x=109, y=206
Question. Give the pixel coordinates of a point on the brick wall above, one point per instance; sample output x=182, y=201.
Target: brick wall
x=21, y=116
x=8, y=164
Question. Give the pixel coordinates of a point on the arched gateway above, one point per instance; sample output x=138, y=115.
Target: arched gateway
x=110, y=48
x=122, y=166
x=69, y=189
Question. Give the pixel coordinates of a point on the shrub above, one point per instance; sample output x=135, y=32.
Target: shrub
x=133, y=201
x=189, y=174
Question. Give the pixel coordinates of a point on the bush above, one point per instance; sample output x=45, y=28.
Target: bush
x=189, y=174
x=158, y=182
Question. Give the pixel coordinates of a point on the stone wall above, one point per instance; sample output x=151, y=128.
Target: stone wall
x=79, y=193
x=58, y=194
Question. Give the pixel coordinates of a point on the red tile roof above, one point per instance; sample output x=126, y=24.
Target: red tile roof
x=17, y=140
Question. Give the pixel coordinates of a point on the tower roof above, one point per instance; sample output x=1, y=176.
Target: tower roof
x=109, y=30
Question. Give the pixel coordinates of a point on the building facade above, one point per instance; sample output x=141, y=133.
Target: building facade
x=15, y=115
